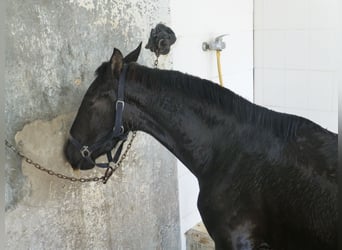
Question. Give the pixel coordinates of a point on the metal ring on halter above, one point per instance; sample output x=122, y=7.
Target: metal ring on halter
x=85, y=152
x=122, y=129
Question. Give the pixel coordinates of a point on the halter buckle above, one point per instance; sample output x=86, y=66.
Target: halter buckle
x=85, y=152
x=120, y=102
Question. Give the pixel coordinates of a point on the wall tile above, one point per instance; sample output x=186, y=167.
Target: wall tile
x=240, y=83
x=259, y=48
x=322, y=49
x=323, y=14
x=182, y=170
x=320, y=90
x=258, y=14
x=189, y=194
x=296, y=14
x=275, y=14
x=335, y=86
x=299, y=39
x=296, y=85
x=237, y=54
x=258, y=85
x=189, y=57
x=296, y=49
x=328, y=120
x=273, y=87
x=274, y=49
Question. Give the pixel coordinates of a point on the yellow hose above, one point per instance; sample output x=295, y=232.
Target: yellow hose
x=218, y=58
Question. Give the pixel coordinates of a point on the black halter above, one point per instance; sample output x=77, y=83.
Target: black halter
x=117, y=133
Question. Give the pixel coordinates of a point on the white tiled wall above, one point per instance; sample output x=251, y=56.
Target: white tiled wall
x=295, y=58
x=196, y=21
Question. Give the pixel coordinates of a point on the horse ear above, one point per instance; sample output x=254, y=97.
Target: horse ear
x=133, y=56
x=116, y=62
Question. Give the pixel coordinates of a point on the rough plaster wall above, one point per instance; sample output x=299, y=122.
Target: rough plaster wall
x=134, y=210
x=53, y=49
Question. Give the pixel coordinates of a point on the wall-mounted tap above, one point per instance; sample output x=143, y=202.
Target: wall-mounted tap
x=218, y=44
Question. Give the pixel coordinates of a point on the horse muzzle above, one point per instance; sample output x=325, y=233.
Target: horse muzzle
x=75, y=158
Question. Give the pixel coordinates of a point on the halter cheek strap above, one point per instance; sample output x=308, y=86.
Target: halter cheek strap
x=116, y=134
x=120, y=103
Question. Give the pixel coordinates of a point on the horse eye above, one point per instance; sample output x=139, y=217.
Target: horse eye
x=107, y=94
x=91, y=102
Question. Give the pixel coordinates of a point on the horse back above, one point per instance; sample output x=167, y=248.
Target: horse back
x=291, y=201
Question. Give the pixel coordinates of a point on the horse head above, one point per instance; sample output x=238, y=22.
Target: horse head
x=91, y=134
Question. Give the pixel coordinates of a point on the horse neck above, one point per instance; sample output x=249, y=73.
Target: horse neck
x=186, y=115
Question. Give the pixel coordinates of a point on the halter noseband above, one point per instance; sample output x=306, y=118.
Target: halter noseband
x=117, y=132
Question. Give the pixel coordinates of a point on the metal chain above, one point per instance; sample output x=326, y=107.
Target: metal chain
x=157, y=58
x=103, y=178
x=156, y=62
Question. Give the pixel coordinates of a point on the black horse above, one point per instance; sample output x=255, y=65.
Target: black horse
x=267, y=179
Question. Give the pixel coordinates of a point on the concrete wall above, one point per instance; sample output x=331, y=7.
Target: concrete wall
x=198, y=21
x=53, y=49
x=296, y=52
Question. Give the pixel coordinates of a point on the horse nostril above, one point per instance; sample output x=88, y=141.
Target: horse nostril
x=78, y=159
x=69, y=154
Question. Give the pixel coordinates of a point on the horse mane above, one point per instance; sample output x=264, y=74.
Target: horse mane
x=283, y=125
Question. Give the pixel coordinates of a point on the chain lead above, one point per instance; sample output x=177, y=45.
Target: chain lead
x=156, y=62
x=157, y=58
x=103, y=178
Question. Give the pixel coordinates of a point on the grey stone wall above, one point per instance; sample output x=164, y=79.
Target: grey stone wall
x=52, y=51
